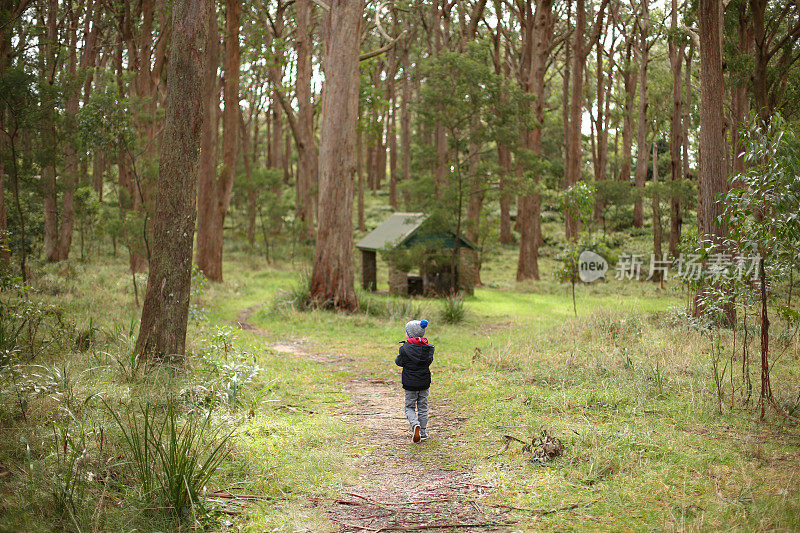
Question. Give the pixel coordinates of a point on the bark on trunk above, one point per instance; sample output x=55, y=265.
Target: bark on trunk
x=307, y=162
x=166, y=305
x=712, y=122
x=675, y=137
x=580, y=51
x=641, y=137
x=211, y=219
x=538, y=37
x=71, y=163
x=656, y=205
x=629, y=81
x=405, y=120
x=49, y=149
x=207, y=165
x=713, y=168
x=332, y=277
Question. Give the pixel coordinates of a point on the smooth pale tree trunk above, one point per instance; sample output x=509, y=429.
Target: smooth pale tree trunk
x=643, y=52
x=166, y=305
x=538, y=38
x=332, y=279
x=211, y=218
x=676, y=139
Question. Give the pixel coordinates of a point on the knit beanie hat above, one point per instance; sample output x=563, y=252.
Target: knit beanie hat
x=416, y=328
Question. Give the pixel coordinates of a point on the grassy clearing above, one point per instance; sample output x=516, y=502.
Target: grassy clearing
x=627, y=385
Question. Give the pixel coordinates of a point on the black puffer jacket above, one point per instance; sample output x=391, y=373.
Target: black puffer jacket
x=415, y=360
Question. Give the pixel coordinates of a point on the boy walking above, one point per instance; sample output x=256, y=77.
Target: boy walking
x=416, y=356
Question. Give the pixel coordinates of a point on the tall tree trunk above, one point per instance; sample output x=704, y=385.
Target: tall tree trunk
x=166, y=306
x=391, y=127
x=501, y=68
x=405, y=119
x=49, y=148
x=641, y=137
x=332, y=277
x=210, y=230
x=713, y=168
x=629, y=82
x=712, y=122
x=5, y=241
x=209, y=140
x=603, y=98
x=657, y=232
x=761, y=60
x=687, y=99
x=740, y=105
x=580, y=52
x=504, y=161
x=307, y=163
x=676, y=139
x=538, y=37
x=71, y=163
x=360, y=174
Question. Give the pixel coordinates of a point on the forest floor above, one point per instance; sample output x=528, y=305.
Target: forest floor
x=399, y=488
x=653, y=438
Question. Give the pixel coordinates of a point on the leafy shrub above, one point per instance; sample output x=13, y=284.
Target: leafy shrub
x=453, y=310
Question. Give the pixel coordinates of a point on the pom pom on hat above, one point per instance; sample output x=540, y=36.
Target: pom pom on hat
x=416, y=328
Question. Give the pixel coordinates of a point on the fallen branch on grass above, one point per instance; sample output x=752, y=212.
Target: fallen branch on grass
x=443, y=526
x=376, y=502
x=545, y=512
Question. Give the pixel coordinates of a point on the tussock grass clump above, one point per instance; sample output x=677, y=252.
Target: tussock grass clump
x=453, y=310
x=390, y=307
x=296, y=298
x=172, y=460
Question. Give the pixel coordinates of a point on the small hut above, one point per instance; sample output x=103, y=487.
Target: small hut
x=407, y=231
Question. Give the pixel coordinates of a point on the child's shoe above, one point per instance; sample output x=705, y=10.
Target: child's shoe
x=416, y=437
x=423, y=434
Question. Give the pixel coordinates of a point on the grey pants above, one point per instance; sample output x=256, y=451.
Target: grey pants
x=417, y=408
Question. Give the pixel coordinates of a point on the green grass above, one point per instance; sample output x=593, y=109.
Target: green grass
x=626, y=385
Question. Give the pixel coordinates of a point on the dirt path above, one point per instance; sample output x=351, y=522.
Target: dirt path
x=403, y=486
